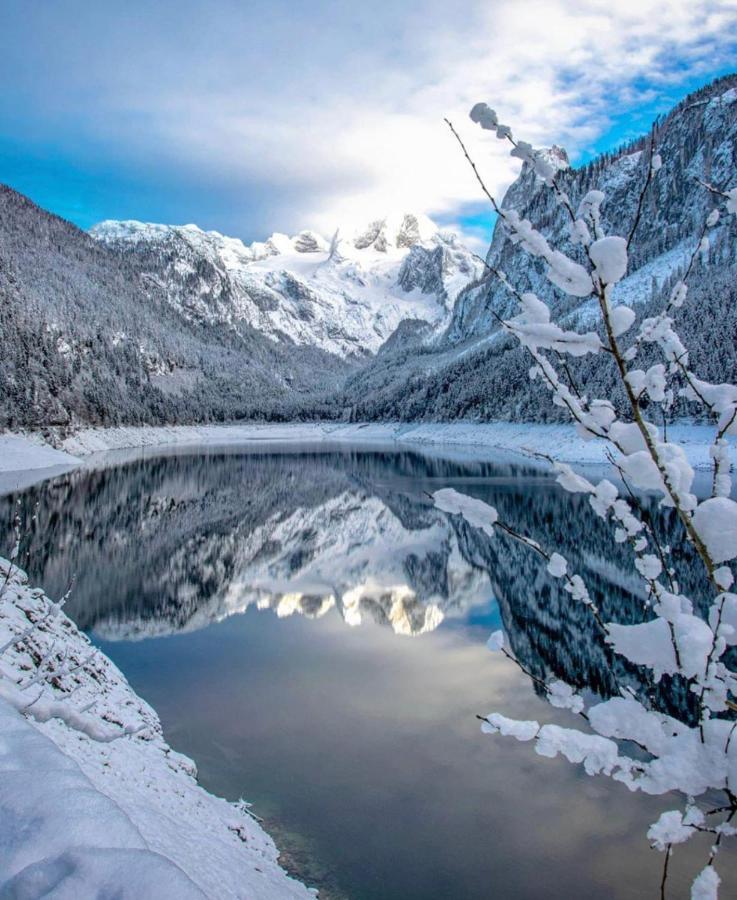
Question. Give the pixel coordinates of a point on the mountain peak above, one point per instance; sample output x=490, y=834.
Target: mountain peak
x=345, y=295
x=395, y=231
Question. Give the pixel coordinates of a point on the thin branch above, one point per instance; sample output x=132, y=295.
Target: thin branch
x=535, y=546
x=643, y=192
x=664, y=879
x=473, y=166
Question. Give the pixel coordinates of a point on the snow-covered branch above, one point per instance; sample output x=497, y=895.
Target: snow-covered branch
x=673, y=638
x=33, y=642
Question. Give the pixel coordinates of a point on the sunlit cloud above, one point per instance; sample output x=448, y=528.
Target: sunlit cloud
x=254, y=117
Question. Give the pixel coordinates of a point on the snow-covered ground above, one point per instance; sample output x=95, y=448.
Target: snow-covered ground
x=21, y=453
x=27, y=458
x=92, y=818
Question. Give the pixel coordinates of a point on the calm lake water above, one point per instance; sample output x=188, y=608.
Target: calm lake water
x=312, y=632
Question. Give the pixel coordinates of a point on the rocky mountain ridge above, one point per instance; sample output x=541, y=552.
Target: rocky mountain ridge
x=475, y=370
x=344, y=295
x=696, y=141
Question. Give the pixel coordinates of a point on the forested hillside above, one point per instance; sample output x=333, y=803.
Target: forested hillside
x=87, y=338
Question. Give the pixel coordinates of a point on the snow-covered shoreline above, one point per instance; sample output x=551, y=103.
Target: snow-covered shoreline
x=30, y=452
x=88, y=818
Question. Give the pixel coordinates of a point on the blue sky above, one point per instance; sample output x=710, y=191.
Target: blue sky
x=250, y=117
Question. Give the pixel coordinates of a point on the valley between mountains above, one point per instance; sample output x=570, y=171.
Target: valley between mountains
x=148, y=324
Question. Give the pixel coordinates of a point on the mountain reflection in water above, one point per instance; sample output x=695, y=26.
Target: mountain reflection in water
x=190, y=540
x=175, y=544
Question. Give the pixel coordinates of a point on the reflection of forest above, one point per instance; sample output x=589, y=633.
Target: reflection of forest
x=173, y=543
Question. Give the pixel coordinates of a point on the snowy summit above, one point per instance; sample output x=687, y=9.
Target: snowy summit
x=345, y=293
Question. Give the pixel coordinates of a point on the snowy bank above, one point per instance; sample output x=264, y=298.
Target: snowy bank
x=84, y=817
x=28, y=458
x=558, y=441
x=21, y=452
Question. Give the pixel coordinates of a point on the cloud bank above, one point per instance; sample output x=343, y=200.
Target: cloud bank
x=250, y=117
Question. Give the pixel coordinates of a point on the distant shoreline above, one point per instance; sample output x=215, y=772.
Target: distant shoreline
x=28, y=457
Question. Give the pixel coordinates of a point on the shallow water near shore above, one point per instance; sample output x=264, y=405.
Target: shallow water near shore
x=312, y=633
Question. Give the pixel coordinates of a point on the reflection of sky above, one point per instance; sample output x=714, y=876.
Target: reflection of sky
x=362, y=751
x=487, y=617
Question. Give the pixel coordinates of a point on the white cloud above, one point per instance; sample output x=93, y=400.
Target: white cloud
x=556, y=71
x=334, y=115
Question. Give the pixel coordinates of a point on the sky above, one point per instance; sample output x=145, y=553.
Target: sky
x=254, y=117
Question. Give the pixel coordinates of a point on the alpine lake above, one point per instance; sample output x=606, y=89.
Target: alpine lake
x=312, y=632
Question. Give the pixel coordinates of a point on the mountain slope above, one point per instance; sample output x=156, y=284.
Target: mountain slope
x=344, y=296
x=477, y=371
x=162, y=324
x=87, y=337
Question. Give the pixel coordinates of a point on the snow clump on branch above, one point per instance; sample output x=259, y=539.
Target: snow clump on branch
x=690, y=756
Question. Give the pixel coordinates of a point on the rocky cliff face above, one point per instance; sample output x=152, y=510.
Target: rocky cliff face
x=696, y=140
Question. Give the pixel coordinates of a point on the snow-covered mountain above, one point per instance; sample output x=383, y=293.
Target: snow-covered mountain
x=163, y=324
x=697, y=140
x=476, y=370
x=89, y=336
x=160, y=324
x=345, y=294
